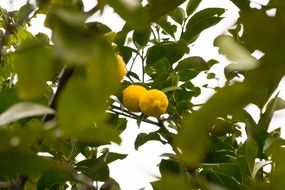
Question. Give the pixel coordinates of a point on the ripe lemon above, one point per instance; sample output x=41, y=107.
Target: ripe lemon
x=131, y=97
x=154, y=103
x=122, y=70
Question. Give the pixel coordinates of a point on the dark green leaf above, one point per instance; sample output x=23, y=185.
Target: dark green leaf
x=192, y=6
x=196, y=63
x=167, y=26
x=95, y=168
x=110, y=184
x=201, y=21
x=178, y=15
x=143, y=138
x=170, y=166
x=50, y=178
x=173, y=51
x=160, y=66
x=158, y=8
x=21, y=161
x=141, y=38
x=24, y=12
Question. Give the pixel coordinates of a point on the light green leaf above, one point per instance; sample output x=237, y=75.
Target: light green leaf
x=22, y=110
x=236, y=53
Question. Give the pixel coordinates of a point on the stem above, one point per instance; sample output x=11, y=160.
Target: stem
x=142, y=58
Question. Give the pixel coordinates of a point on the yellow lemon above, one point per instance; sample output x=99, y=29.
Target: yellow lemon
x=122, y=70
x=131, y=97
x=154, y=103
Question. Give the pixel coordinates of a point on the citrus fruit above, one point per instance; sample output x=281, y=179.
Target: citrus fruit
x=154, y=103
x=220, y=128
x=122, y=71
x=131, y=97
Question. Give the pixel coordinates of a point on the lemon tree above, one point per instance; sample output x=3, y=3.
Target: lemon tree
x=70, y=95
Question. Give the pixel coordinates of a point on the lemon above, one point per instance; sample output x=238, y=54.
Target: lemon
x=122, y=70
x=154, y=103
x=131, y=97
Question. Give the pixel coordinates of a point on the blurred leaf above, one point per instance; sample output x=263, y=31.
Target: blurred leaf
x=143, y=138
x=173, y=51
x=193, y=138
x=8, y=97
x=50, y=178
x=34, y=66
x=170, y=182
x=141, y=38
x=178, y=15
x=235, y=52
x=201, y=21
x=271, y=39
x=276, y=178
x=22, y=110
x=192, y=6
x=133, y=13
x=16, y=161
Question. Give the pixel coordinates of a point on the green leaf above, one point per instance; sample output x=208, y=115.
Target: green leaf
x=170, y=182
x=193, y=139
x=24, y=13
x=195, y=62
x=143, y=138
x=50, y=178
x=247, y=155
x=178, y=15
x=258, y=166
x=22, y=110
x=161, y=65
x=170, y=166
x=112, y=156
x=167, y=26
x=157, y=8
x=34, y=66
x=173, y=51
x=110, y=184
x=235, y=52
x=133, y=13
x=141, y=38
x=14, y=161
x=192, y=6
x=8, y=97
x=201, y=21
x=95, y=168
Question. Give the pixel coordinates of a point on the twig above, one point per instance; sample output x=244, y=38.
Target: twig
x=124, y=112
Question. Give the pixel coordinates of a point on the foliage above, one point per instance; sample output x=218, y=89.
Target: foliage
x=61, y=95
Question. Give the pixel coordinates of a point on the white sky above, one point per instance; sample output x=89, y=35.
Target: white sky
x=140, y=167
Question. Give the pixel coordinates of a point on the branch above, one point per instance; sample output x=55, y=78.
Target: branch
x=63, y=79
